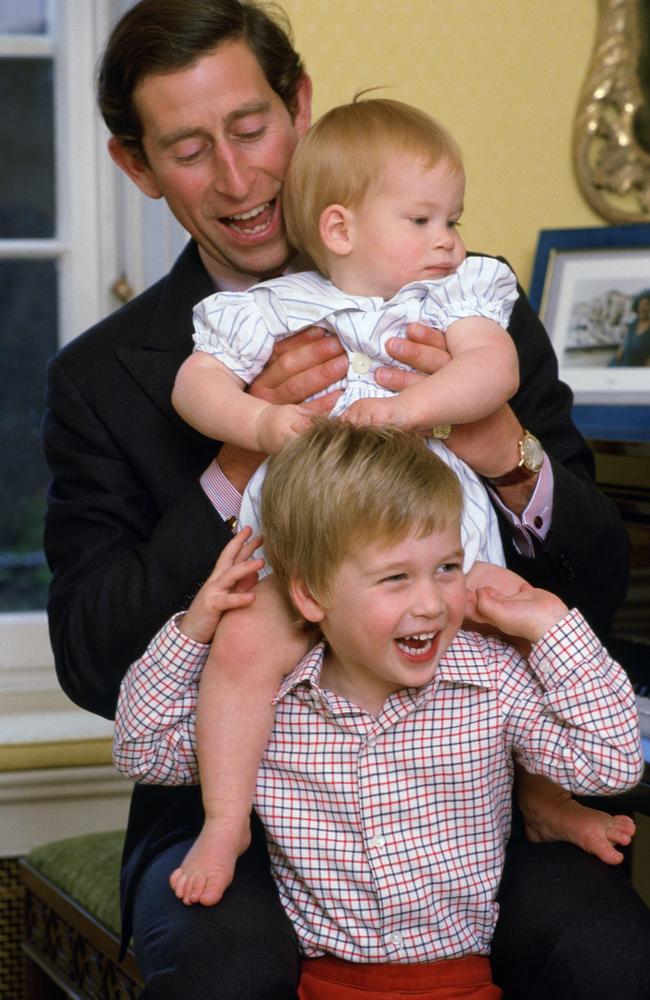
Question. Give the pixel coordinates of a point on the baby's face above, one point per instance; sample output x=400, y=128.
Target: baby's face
x=406, y=228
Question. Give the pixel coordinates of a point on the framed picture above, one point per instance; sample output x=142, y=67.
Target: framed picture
x=591, y=289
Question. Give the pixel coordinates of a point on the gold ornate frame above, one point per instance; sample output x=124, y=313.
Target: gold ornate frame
x=613, y=169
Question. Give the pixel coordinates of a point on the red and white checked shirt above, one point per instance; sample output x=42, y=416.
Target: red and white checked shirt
x=387, y=834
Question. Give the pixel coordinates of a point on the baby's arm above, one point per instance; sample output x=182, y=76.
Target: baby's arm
x=483, y=373
x=212, y=399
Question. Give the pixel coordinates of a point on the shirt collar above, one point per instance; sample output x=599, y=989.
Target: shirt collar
x=308, y=672
x=467, y=661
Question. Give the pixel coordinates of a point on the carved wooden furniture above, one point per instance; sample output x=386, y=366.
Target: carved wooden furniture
x=71, y=936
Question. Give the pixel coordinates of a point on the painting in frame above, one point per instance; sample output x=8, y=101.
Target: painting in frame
x=591, y=289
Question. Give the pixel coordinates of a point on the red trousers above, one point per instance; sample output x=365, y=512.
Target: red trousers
x=330, y=978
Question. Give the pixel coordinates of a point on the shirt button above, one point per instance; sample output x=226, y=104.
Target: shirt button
x=396, y=939
x=378, y=841
x=360, y=363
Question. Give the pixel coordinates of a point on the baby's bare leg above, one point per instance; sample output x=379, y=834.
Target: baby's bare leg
x=253, y=649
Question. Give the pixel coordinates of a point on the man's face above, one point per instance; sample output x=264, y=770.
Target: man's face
x=218, y=141
x=394, y=611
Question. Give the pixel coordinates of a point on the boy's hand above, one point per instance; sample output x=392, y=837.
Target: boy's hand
x=276, y=425
x=528, y=614
x=229, y=586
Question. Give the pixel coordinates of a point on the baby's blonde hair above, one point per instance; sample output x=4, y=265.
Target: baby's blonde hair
x=338, y=487
x=344, y=152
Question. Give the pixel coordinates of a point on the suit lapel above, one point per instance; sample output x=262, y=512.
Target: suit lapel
x=167, y=338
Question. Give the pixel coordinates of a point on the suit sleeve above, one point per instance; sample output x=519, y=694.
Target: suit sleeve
x=122, y=561
x=584, y=558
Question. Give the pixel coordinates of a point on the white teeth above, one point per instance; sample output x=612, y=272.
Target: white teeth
x=253, y=212
x=420, y=636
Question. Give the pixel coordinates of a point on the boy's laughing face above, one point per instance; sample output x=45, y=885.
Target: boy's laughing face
x=394, y=611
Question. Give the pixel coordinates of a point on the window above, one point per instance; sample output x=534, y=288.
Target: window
x=47, y=228
x=70, y=226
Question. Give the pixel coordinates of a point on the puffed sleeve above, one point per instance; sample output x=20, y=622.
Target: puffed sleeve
x=239, y=329
x=482, y=286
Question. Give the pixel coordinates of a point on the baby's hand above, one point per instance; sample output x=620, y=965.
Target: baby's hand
x=275, y=425
x=380, y=412
x=529, y=613
x=228, y=586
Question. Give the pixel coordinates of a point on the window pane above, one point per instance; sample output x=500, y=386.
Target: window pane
x=23, y=17
x=27, y=179
x=28, y=332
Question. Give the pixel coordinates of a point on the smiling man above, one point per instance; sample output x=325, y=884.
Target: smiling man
x=217, y=153
x=205, y=101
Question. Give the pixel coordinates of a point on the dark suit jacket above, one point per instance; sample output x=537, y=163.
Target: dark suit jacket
x=130, y=535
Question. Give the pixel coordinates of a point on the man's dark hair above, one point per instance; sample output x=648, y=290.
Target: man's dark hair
x=161, y=36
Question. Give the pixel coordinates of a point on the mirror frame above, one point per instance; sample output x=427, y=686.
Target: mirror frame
x=613, y=170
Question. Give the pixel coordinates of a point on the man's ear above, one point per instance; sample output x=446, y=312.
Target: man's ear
x=134, y=167
x=336, y=229
x=310, y=609
x=302, y=115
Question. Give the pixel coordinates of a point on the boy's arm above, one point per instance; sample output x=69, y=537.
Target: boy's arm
x=578, y=724
x=154, y=740
x=211, y=398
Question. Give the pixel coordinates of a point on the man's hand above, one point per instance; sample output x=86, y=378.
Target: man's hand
x=306, y=363
x=488, y=446
x=424, y=349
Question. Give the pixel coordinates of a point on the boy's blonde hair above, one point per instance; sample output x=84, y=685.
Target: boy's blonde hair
x=337, y=487
x=344, y=152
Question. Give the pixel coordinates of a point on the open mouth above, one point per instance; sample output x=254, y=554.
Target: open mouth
x=420, y=647
x=253, y=223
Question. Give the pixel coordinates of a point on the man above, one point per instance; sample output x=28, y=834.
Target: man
x=206, y=100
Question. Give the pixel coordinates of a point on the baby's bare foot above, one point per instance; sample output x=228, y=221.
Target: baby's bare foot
x=207, y=868
x=595, y=831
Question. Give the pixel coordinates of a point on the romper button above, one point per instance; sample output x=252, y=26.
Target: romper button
x=360, y=363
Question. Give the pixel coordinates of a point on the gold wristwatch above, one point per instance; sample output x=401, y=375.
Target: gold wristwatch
x=531, y=457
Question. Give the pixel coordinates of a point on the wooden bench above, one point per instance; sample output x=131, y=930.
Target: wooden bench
x=72, y=921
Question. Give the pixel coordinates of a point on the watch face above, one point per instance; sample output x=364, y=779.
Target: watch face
x=533, y=453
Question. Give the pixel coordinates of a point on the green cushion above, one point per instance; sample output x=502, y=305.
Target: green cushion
x=87, y=869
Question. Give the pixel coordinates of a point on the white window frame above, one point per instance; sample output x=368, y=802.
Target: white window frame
x=106, y=230
x=83, y=246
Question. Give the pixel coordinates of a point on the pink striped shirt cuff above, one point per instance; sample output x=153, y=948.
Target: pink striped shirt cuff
x=535, y=522
x=221, y=493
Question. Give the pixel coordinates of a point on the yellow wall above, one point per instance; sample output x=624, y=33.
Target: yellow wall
x=503, y=75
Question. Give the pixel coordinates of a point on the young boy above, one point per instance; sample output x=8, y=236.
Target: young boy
x=385, y=789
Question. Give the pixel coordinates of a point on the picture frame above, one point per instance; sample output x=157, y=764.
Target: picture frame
x=584, y=288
